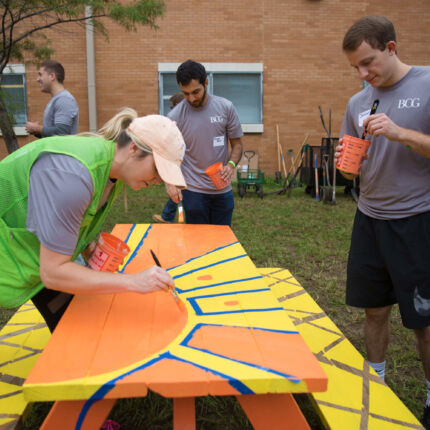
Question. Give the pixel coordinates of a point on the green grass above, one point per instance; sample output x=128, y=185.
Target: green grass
x=311, y=240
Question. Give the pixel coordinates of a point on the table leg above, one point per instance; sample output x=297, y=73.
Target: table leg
x=64, y=415
x=273, y=411
x=184, y=413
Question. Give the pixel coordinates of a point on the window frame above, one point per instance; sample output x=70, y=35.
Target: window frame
x=217, y=68
x=19, y=69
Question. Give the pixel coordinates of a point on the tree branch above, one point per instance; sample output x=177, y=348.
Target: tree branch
x=43, y=27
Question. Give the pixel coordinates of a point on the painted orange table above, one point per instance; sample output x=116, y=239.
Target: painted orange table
x=227, y=336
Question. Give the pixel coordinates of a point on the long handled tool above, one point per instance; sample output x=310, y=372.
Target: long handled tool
x=327, y=191
x=278, y=172
x=291, y=154
x=290, y=185
x=280, y=151
x=333, y=197
x=317, y=191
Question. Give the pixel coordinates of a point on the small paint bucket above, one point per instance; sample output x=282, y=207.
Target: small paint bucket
x=109, y=253
x=352, y=155
x=214, y=172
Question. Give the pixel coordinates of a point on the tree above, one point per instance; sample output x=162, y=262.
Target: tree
x=23, y=22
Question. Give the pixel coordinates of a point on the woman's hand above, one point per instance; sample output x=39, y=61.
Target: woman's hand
x=153, y=279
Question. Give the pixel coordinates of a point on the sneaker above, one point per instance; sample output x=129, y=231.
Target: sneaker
x=426, y=418
x=159, y=218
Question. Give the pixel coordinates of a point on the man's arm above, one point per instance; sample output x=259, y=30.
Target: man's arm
x=380, y=124
x=235, y=156
x=56, y=130
x=34, y=128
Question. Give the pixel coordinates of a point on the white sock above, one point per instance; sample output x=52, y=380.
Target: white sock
x=379, y=368
x=428, y=393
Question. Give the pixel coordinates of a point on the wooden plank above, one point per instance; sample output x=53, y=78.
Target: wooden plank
x=66, y=415
x=273, y=412
x=184, y=414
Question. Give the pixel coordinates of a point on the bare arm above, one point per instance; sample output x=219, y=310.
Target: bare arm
x=380, y=124
x=58, y=272
x=235, y=156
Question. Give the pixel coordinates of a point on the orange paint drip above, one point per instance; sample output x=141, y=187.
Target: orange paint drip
x=204, y=278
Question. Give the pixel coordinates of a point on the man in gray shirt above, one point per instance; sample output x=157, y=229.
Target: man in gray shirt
x=208, y=124
x=390, y=245
x=62, y=113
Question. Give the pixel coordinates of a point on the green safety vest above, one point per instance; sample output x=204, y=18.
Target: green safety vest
x=20, y=249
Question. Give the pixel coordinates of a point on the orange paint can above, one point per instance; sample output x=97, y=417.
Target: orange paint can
x=109, y=253
x=352, y=155
x=214, y=172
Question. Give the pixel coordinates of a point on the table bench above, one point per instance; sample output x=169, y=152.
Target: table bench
x=342, y=406
x=22, y=340
x=356, y=397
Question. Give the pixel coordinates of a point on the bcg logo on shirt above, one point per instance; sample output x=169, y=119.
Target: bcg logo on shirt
x=217, y=118
x=411, y=102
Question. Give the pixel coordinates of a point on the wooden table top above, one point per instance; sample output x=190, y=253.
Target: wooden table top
x=228, y=335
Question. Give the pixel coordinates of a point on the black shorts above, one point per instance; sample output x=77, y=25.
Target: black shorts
x=389, y=262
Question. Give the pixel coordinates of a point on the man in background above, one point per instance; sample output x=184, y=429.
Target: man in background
x=209, y=125
x=61, y=113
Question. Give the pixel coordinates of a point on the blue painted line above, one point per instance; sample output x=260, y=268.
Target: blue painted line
x=134, y=253
x=200, y=325
x=207, y=253
x=234, y=281
x=108, y=386
x=235, y=383
x=230, y=293
x=209, y=265
x=237, y=312
x=198, y=310
x=130, y=232
x=187, y=339
x=291, y=378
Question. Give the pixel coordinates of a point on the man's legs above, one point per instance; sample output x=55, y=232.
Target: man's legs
x=169, y=212
x=377, y=333
x=423, y=338
x=221, y=211
x=196, y=207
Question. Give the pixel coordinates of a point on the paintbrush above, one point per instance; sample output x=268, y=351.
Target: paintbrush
x=180, y=212
x=372, y=111
x=172, y=290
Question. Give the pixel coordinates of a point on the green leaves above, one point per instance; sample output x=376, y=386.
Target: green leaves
x=23, y=21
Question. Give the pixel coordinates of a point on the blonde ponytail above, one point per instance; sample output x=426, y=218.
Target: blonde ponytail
x=116, y=125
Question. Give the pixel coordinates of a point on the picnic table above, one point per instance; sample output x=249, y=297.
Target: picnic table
x=228, y=335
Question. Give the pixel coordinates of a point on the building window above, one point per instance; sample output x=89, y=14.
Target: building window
x=14, y=94
x=241, y=83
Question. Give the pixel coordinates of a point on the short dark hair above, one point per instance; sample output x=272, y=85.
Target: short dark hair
x=52, y=66
x=191, y=70
x=176, y=98
x=377, y=31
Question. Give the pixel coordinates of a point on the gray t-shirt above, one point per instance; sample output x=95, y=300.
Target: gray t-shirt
x=206, y=131
x=62, y=109
x=61, y=189
x=394, y=181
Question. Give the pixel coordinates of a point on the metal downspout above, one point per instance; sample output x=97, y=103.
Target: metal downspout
x=91, y=71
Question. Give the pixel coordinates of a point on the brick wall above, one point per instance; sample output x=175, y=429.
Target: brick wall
x=298, y=41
